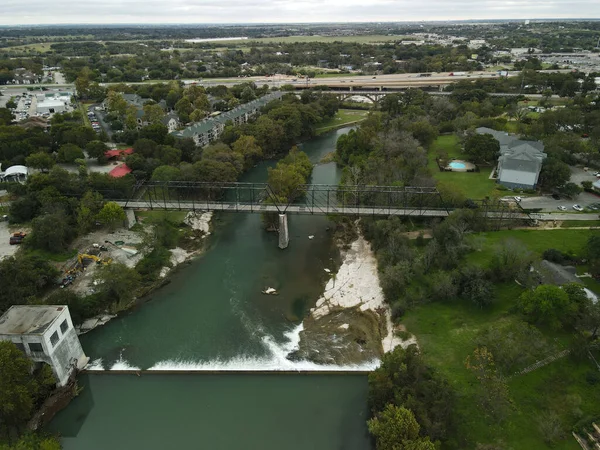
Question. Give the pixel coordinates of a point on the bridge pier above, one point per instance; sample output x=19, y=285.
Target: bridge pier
x=284, y=236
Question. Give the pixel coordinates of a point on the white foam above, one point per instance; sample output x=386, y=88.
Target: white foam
x=276, y=361
x=121, y=364
x=95, y=365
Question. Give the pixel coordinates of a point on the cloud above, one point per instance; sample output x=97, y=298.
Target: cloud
x=14, y=12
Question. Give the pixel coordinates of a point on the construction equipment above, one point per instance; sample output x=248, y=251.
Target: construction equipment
x=84, y=259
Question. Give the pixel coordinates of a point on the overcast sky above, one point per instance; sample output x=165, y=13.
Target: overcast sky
x=14, y=12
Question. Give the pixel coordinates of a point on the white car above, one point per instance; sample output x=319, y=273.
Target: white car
x=577, y=208
x=562, y=208
x=517, y=199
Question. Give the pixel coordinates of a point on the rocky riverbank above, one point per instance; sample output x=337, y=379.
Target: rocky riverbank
x=198, y=222
x=351, y=316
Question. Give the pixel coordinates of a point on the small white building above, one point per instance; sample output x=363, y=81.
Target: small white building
x=52, y=105
x=46, y=335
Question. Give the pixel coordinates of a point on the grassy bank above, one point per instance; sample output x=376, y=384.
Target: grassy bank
x=447, y=334
x=342, y=118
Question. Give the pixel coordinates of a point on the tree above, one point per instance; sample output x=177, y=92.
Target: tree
x=40, y=160
x=111, y=214
x=510, y=260
x=116, y=103
x=19, y=389
x=68, y=153
x=11, y=104
x=571, y=190
x=554, y=173
x=117, y=283
x=482, y=147
x=95, y=149
x=89, y=207
x=166, y=173
x=197, y=115
x=153, y=114
x=404, y=380
x=249, y=148
x=50, y=232
x=546, y=304
x=474, y=286
x=396, y=428
x=493, y=389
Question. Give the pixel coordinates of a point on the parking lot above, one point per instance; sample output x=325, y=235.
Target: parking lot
x=587, y=200
x=94, y=120
x=27, y=102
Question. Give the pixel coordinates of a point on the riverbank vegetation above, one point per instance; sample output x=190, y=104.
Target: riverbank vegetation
x=485, y=306
x=21, y=393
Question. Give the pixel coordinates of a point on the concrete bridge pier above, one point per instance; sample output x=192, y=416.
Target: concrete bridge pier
x=284, y=236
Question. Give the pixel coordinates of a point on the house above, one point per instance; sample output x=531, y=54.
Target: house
x=171, y=121
x=209, y=129
x=520, y=162
x=118, y=153
x=120, y=171
x=45, y=334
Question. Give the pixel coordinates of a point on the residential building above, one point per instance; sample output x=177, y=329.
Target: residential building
x=520, y=162
x=45, y=334
x=209, y=130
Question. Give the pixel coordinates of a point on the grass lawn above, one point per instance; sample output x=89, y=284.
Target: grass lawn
x=447, y=331
x=475, y=185
x=342, y=117
x=536, y=241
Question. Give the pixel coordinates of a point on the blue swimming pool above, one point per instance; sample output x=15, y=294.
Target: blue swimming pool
x=457, y=165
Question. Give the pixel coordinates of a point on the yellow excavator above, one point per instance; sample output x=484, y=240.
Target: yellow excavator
x=83, y=260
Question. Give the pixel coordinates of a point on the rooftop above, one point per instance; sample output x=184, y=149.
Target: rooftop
x=29, y=319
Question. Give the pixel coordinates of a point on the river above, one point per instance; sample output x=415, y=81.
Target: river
x=213, y=316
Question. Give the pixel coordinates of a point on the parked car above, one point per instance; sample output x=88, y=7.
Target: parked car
x=16, y=238
x=562, y=208
x=577, y=207
x=517, y=199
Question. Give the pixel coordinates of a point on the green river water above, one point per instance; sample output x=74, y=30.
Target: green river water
x=213, y=316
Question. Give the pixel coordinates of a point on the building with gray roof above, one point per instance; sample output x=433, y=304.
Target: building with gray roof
x=209, y=129
x=520, y=162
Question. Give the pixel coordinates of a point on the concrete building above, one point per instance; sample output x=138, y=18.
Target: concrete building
x=46, y=335
x=51, y=105
x=210, y=129
x=520, y=162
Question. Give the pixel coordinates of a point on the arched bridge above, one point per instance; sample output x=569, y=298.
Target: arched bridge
x=306, y=199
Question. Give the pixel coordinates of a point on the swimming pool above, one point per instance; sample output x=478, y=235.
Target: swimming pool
x=457, y=165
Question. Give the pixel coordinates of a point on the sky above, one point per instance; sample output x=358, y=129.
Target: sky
x=13, y=12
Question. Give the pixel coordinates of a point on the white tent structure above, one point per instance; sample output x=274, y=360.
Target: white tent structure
x=14, y=173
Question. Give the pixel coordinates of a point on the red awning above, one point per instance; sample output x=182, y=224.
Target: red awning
x=120, y=171
x=115, y=153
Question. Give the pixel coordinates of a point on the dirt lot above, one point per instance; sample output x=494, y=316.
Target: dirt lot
x=84, y=282
x=5, y=232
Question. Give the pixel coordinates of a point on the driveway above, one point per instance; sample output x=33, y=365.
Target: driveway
x=6, y=249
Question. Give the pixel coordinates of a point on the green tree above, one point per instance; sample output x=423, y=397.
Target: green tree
x=11, y=104
x=249, y=148
x=546, y=304
x=95, y=149
x=571, y=190
x=89, y=207
x=166, y=173
x=482, y=148
x=554, y=173
x=68, y=153
x=19, y=389
x=116, y=103
x=197, y=115
x=395, y=428
x=118, y=283
x=153, y=114
x=50, y=232
x=494, y=397
x=40, y=160
x=111, y=215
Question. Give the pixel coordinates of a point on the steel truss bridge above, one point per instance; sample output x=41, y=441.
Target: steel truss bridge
x=307, y=199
